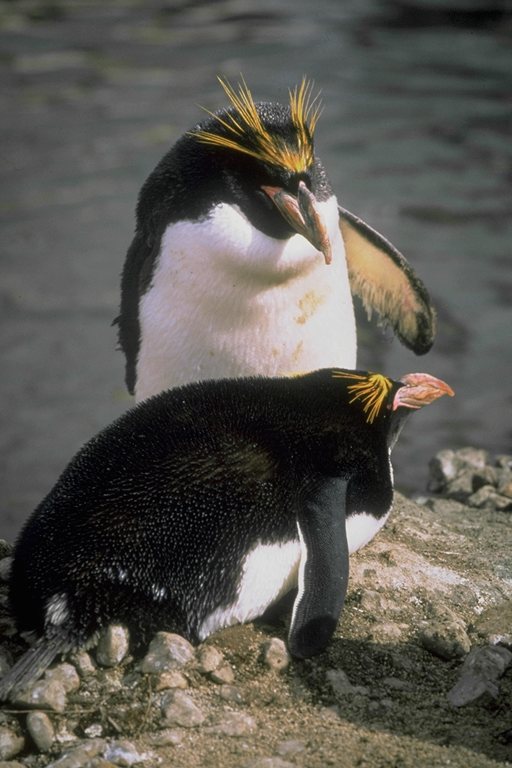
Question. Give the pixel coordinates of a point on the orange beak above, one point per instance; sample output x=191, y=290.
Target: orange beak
x=420, y=389
x=303, y=216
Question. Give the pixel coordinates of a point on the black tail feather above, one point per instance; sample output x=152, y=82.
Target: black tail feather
x=33, y=663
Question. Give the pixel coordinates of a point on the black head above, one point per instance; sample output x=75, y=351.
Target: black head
x=255, y=155
x=386, y=402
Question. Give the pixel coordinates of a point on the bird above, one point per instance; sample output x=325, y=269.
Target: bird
x=243, y=262
x=203, y=506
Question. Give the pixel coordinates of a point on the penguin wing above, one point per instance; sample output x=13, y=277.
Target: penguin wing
x=135, y=280
x=385, y=282
x=323, y=570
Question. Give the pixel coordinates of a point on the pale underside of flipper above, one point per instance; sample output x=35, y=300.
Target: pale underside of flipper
x=386, y=283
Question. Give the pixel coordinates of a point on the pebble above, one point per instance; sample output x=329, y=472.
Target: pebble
x=11, y=743
x=445, y=639
x=45, y=694
x=235, y=724
x=275, y=654
x=386, y=632
x=83, y=663
x=209, y=659
x=396, y=684
x=66, y=675
x=478, y=675
x=341, y=685
x=171, y=679
x=231, y=693
x=179, y=709
x=41, y=730
x=488, y=498
x=167, y=651
x=269, y=762
x=223, y=675
x=80, y=756
x=467, y=476
x=164, y=738
x=124, y=753
x=112, y=646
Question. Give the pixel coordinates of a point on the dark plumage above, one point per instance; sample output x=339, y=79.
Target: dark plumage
x=152, y=522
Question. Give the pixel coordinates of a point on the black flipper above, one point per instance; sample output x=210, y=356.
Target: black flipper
x=385, y=282
x=136, y=278
x=323, y=570
x=33, y=663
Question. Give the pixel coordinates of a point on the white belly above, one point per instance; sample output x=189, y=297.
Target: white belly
x=270, y=571
x=228, y=301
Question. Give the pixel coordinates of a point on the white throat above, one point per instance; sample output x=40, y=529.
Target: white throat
x=226, y=300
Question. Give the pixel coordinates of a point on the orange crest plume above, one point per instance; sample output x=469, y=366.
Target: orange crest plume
x=372, y=390
x=246, y=133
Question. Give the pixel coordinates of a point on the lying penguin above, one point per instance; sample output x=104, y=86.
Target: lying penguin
x=205, y=505
x=226, y=275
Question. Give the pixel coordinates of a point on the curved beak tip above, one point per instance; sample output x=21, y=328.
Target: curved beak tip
x=303, y=215
x=420, y=389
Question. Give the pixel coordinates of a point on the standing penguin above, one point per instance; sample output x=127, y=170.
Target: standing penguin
x=225, y=276
x=204, y=505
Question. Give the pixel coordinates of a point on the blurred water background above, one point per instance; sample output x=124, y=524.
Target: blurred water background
x=415, y=134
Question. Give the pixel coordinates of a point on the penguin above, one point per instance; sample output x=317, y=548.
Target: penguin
x=243, y=263
x=205, y=505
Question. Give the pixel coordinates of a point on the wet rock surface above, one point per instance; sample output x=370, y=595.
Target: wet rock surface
x=418, y=673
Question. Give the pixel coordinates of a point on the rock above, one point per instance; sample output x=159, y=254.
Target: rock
x=167, y=737
x=396, y=684
x=209, y=659
x=11, y=743
x=80, y=756
x=5, y=568
x=124, y=753
x=224, y=674
x=443, y=467
x=460, y=487
x=179, y=709
x=275, y=654
x=41, y=730
x=235, y=724
x=171, y=679
x=495, y=624
x=66, y=675
x=446, y=639
x=231, y=693
x=386, y=632
x=94, y=730
x=479, y=673
x=83, y=663
x=487, y=497
x=341, y=685
x=45, y=694
x=485, y=476
x=167, y=651
x=504, y=483
x=112, y=646
x=504, y=461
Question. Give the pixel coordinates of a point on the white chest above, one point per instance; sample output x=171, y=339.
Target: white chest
x=226, y=300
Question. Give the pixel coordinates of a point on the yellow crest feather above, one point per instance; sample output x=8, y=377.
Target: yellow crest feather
x=247, y=134
x=372, y=390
